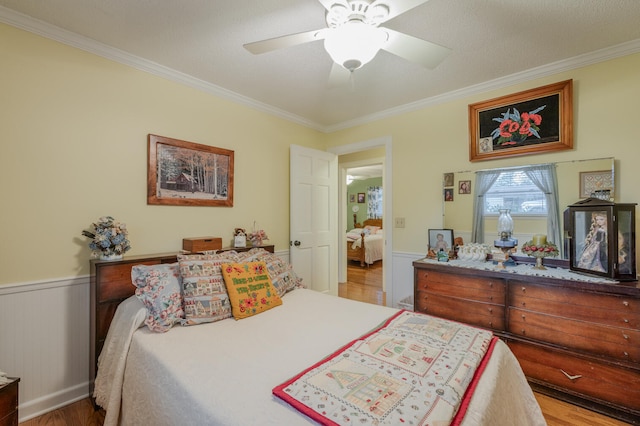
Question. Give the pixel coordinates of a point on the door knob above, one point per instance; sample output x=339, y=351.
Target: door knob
x=296, y=243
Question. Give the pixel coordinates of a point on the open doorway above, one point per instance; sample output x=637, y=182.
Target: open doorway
x=365, y=231
x=383, y=150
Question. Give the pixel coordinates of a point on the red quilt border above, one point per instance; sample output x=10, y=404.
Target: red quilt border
x=279, y=392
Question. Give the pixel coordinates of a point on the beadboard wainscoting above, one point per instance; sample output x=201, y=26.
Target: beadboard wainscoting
x=44, y=340
x=44, y=335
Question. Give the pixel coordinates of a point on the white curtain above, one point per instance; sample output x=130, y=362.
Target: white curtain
x=545, y=178
x=484, y=181
x=374, y=206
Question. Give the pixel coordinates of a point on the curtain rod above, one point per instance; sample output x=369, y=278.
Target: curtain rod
x=541, y=164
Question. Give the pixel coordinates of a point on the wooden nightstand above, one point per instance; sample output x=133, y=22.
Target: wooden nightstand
x=9, y=403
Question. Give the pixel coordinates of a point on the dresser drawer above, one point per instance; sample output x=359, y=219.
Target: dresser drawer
x=617, y=311
x=484, y=315
x=619, y=343
x=609, y=384
x=467, y=287
x=9, y=404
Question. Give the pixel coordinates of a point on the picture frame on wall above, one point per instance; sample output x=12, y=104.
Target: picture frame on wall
x=352, y=198
x=447, y=179
x=181, y=173
x=361, y=197
x=534, y=121
x=448, y=194
x=464, y=187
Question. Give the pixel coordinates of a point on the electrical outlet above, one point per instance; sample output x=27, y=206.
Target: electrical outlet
x=399, y=222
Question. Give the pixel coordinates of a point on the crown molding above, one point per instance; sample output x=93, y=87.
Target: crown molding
x=24, y=22
x=620, y=50
x=35, y=26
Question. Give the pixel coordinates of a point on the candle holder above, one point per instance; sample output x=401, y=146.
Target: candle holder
x=540, y=248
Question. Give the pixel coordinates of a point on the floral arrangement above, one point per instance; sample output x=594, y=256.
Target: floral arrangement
x=108, y=238
x=256, y=237
x=516, y=127
x=541, y=250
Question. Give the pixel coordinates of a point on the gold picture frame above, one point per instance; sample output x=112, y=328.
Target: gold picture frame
x=530, y=122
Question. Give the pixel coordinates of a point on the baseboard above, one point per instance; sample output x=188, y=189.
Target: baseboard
x=53, y=401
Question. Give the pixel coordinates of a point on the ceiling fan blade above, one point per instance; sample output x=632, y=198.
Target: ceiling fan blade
x=271, y=44
x=413, y=49
x=397, y=7
x=328, y=3
x=339, y=76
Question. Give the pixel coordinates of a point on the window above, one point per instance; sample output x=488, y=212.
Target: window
x=515, y=191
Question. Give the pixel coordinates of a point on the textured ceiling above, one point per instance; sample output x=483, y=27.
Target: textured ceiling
x=201, y=42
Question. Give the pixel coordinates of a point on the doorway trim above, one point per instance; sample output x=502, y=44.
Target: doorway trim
x=386, y=142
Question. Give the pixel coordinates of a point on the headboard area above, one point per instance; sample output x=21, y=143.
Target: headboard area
x=367, y=222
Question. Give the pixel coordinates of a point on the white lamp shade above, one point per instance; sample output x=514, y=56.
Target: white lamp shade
x=354, y=44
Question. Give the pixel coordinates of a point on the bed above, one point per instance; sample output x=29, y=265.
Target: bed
x=365, y=243
x=227, y=372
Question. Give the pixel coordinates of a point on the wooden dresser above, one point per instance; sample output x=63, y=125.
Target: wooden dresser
x=110, y=285
x=575, y=340
x=9, y=403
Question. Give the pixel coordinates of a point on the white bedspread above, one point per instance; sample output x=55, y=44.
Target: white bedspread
x=223, y=373
x=373, y=244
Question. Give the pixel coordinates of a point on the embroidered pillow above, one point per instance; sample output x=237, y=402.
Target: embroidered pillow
x=250, y=288
x=158, y=288
x=204, y=294
x=282, y=275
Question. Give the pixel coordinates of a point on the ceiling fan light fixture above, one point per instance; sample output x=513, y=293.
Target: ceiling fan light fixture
x=354, y=44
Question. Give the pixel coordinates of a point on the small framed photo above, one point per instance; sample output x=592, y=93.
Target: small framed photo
x=440, y=239
x=352, y=198
x=361, y=197
x=448, y=194
x=448, y=179
x=464, y=187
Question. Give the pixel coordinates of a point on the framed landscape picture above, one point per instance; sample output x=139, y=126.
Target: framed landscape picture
x=183, y=173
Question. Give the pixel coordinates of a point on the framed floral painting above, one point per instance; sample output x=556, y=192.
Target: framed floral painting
x=183, y=173
x=530, y=122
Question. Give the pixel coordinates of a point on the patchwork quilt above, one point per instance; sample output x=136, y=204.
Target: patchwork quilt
x=414, y=369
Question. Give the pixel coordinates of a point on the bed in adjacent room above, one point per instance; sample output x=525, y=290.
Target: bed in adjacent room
x=259, y=369
x=365, y=243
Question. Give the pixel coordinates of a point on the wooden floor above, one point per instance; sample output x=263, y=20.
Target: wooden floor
x=363, y=284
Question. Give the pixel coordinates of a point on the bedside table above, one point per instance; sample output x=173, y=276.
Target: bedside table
x=9, y=403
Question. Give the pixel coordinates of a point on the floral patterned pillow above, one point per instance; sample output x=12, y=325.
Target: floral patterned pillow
x=250, y=289
x=158, y=288
x=282, y=275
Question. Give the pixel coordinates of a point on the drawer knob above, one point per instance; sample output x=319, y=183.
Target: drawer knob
x=524, y=331
x=625, y=303
x=626, y=354
x=524, y=304
x=524, y=289
x=626, y=336
x=524, y=317
x=490, y=283
x=490, y=323
x=626, y=321
x=571, y=377
x=491, y=310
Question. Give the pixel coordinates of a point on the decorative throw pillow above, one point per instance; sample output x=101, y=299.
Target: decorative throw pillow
x=250, y=288
x=158, y=288
x=282, y=275
x=204, y=294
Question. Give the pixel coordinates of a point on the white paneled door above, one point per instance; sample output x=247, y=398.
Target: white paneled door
x=314, y=218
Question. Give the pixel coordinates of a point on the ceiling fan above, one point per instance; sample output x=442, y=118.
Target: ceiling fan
x=353, y=36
